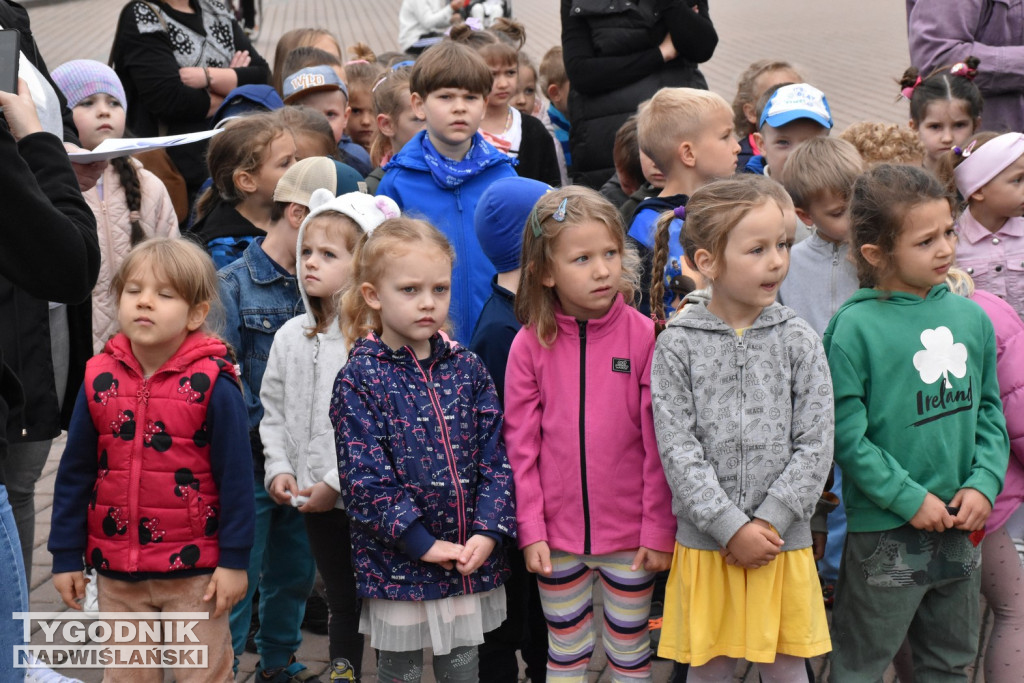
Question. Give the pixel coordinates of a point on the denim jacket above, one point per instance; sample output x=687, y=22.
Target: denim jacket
x=258, y=299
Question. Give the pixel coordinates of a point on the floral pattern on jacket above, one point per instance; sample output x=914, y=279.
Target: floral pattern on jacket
x=419, y=444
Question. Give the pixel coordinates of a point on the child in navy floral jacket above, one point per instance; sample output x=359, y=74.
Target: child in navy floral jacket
x=422, y=466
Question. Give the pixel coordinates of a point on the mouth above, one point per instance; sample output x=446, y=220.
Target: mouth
x=602, y=291
x=943, y=269
x=427, y=320
x=143, y=321
x=769, y=286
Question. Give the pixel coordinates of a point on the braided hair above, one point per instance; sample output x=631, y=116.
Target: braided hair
x=129, y=177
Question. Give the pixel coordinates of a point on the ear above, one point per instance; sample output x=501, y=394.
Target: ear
x=197, y=315
x=370, y=296
x=872, y=253
x=977, y=123
x=418, y=108
x=348, y=113
x=978, y=195
x=750, y=112
x=296, y=213
x=705, y=263
x=759, y=140
x=244, y=181
x=805, y=217
x=553, y=91
x=686, y=154
x=384, y=123
x=546, y=278
x=912, y=125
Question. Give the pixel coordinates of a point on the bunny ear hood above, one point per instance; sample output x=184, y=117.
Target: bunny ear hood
x=364, y=210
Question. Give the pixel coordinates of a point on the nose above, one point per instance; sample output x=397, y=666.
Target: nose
x=144, y=299
x=427, y=301
x=778, y=258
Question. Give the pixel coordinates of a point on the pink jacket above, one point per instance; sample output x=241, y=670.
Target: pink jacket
x=1010, y=369
x=584, y=456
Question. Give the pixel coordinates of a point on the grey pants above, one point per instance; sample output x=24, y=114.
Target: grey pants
x=22, y=467
x=461, y=665
x=906, y=582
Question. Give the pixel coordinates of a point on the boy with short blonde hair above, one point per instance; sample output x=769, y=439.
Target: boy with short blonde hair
x=690, y=136
x=554, y=84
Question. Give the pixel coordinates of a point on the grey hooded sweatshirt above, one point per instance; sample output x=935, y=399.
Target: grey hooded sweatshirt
x=744, y=424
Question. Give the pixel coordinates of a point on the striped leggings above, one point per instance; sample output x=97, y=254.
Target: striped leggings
x=567, y=598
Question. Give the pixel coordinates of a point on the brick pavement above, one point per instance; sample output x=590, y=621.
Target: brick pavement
x=853, y=51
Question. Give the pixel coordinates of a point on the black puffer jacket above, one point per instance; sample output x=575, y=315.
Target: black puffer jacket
x=611, y=54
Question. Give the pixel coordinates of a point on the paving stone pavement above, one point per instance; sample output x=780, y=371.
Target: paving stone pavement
x=854, y=51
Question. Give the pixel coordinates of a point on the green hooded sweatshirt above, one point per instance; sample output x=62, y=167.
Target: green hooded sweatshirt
x=916, y=402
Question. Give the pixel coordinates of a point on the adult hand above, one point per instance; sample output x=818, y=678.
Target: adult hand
x=88, y=174
x=240, y=59
x=193, y=76
x=20, y=112
x=668, y=49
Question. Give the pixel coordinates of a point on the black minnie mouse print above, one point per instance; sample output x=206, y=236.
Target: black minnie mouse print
x=104, y=388
x=97, y=560
x=202, y=436
x=185, y=480
x=123, y=426
x=113, y=525
x=194, y=387
x=212, y=522
x=186, y=558
x=149, y=531
x=155, y=437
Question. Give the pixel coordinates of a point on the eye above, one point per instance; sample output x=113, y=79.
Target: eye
x=757, y=250
x=529, y=92
x=611, y=253
x=409, y=289
x=581, y=259
x=440, y=289
x=329, y=254
x=167, y=294
x=783, y=245
x=952, y=233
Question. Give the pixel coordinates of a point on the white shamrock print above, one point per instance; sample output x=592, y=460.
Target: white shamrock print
x=941, y=357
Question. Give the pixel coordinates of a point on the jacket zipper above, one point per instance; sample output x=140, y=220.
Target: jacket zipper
x=740, y=365
x=313, y=386
x=583, y=433
x=449, y=453
x=135, y=474
x=832, y=278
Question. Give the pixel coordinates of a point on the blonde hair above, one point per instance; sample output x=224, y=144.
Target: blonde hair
x=496, y=48
x=819, y=168
x=551, y=69
x=535, y=302
x=340, y=227
x=884, y=143
x=959, y=282
x=299, y=37
x=711, y=214
x=671, y=117
x=370, y=260
x=364, y=70
x=186, y=267
x=745, y=91
x=391, y=97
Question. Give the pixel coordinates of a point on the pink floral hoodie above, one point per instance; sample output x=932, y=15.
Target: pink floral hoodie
x=579, y=431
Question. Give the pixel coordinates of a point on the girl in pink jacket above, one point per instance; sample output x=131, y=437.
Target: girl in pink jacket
x=592, y=500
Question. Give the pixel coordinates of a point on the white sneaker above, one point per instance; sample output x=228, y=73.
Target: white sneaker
x=42, y=674
x=92, y=600
x=1018, y=543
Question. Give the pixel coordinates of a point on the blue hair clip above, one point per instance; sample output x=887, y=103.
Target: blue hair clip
x=680, y=212
x=559, y=214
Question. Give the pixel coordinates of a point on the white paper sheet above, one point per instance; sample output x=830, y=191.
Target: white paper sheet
x=120, y=147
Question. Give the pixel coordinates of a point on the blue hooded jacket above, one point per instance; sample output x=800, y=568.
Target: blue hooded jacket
x=410, y=183
x=420, y=459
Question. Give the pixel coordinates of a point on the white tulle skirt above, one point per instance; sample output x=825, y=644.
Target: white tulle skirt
x=441, y=625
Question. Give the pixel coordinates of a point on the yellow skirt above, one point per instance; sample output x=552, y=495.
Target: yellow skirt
x=713, y=609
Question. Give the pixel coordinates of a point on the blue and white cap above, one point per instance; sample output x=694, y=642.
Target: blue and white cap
x=796, y=101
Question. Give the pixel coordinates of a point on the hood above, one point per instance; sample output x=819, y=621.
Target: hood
x=481, y=156
x=224, y=220
x=365, y=210
x=197, y=345
x=695, y=315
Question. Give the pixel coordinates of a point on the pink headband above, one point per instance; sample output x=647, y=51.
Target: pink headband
x=986, y=162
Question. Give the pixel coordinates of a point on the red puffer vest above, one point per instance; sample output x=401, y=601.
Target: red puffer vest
x=155, y=506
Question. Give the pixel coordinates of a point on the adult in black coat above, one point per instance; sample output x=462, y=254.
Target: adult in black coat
x=617, y=54
x=48, y=252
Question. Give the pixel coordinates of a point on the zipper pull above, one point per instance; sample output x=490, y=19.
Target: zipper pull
x=143, y=393
x=583, y=329
x=835, y=255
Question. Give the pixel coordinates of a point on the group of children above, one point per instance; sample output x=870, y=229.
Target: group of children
x=472, y=397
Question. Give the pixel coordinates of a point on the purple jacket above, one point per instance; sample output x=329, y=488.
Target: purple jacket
x=944, y=32
x=420, y=459
x=1010, y=369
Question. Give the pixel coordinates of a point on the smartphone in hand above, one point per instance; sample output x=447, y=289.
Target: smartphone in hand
x=10, y=52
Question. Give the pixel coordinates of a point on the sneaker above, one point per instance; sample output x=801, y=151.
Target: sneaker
x=1018, y=543
x=38, y=673
x=293, y=673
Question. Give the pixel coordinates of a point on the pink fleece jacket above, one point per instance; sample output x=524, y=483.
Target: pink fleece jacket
x=1010, y=369
x=579, y=431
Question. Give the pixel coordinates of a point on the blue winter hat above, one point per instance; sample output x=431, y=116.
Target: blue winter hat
x=500, y=218
x=246, y=99
x=82, y=78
